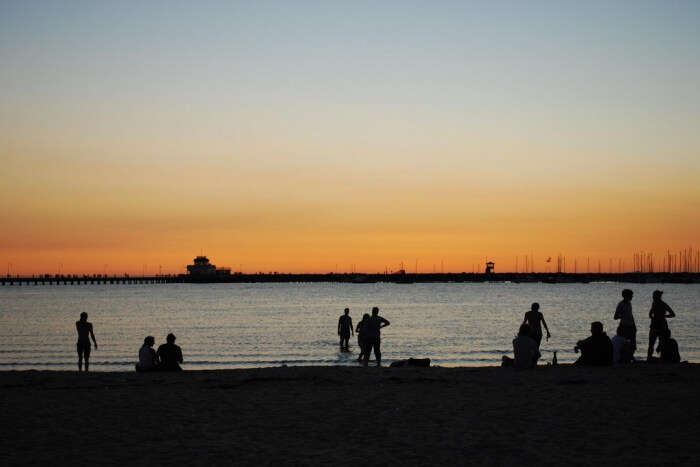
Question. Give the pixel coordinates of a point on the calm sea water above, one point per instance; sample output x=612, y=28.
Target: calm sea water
x=255, y=325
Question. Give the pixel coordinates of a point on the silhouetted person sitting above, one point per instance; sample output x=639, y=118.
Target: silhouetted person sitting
x=170, y=355
x=345, y=329
x=525, y=349
x=372, y=338
x=148, y=359
x=658, y=313
x=668, y=348
x=84, y=329
x=360, y=336
x=597, y=349
x=622, y=347
x=536, y=319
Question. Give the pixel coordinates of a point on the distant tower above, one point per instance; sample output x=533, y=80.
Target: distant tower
x=489, y=267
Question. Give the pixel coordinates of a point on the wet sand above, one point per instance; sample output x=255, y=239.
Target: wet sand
x=642, y=414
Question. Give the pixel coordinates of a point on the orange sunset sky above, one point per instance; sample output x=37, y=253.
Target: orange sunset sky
x=317, y=137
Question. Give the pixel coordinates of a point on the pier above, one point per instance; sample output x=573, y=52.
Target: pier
x=86, y=280
x=355, y=278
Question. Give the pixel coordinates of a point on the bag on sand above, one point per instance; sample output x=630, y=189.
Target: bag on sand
x=411, y=362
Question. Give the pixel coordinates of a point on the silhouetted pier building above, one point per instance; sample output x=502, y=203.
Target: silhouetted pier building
x=202, y=271
x=489, y=267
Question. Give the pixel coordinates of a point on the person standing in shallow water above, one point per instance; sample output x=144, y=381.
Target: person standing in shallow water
x=623, y=312
x=658, y=313
x=360, y=336
x=345, y=329
x=372, y=336
x=170, y=355
x=85, y=332
x=536, y=319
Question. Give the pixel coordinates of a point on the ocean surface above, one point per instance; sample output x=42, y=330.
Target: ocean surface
x=261, y=325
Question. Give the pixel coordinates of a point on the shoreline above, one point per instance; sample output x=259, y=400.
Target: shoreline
x=348, y=416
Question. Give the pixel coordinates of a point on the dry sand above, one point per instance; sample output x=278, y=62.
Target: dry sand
x=642, y=414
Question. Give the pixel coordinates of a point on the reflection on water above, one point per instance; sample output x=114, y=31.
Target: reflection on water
x=244, y=325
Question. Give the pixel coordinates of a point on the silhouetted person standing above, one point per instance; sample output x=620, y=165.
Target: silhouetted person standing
x=170, y=355
x=596, y=350
x=535, y=320
x=372, y=336
x=623, y=312
x=148, y=360
x=360, y=335
x=85, y=332
x=345, y=329
x=658, y=313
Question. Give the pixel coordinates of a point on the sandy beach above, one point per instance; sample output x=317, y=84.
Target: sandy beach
x=641, y=414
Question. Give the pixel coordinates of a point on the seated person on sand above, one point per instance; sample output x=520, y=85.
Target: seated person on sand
x=596, y=350
x=148, y=360
x=524, y=350
x=623, y=349
x=170, y=355
x=668, y=348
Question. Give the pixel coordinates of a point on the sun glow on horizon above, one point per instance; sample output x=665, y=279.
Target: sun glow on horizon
x=323, y=138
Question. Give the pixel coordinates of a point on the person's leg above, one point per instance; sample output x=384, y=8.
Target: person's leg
x=630, y=333
x=80, y=349
x=87, y=358
x=378, y=352
x=538, y=339
x=652, y=340
x=369, y=342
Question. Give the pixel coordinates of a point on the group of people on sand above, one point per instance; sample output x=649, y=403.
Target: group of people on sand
x=667, y=347
x=526, y=345
x=167, y=358
x=598, y=349
x=369, y=334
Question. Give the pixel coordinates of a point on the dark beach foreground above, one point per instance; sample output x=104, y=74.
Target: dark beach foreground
x=641, y=414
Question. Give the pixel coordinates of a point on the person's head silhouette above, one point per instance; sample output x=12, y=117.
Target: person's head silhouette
x=627, y=294
x=365, y=316
x=149, y=341
x=535, y=306
x=596, y=328
x=83, y=316
x=347, y=310
x=375, y=311
x=170, y=339
x=656, y=295
x=524, y=330
x=620, y=331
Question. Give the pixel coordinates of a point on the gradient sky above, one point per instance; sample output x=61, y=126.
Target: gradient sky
x=312, y=136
